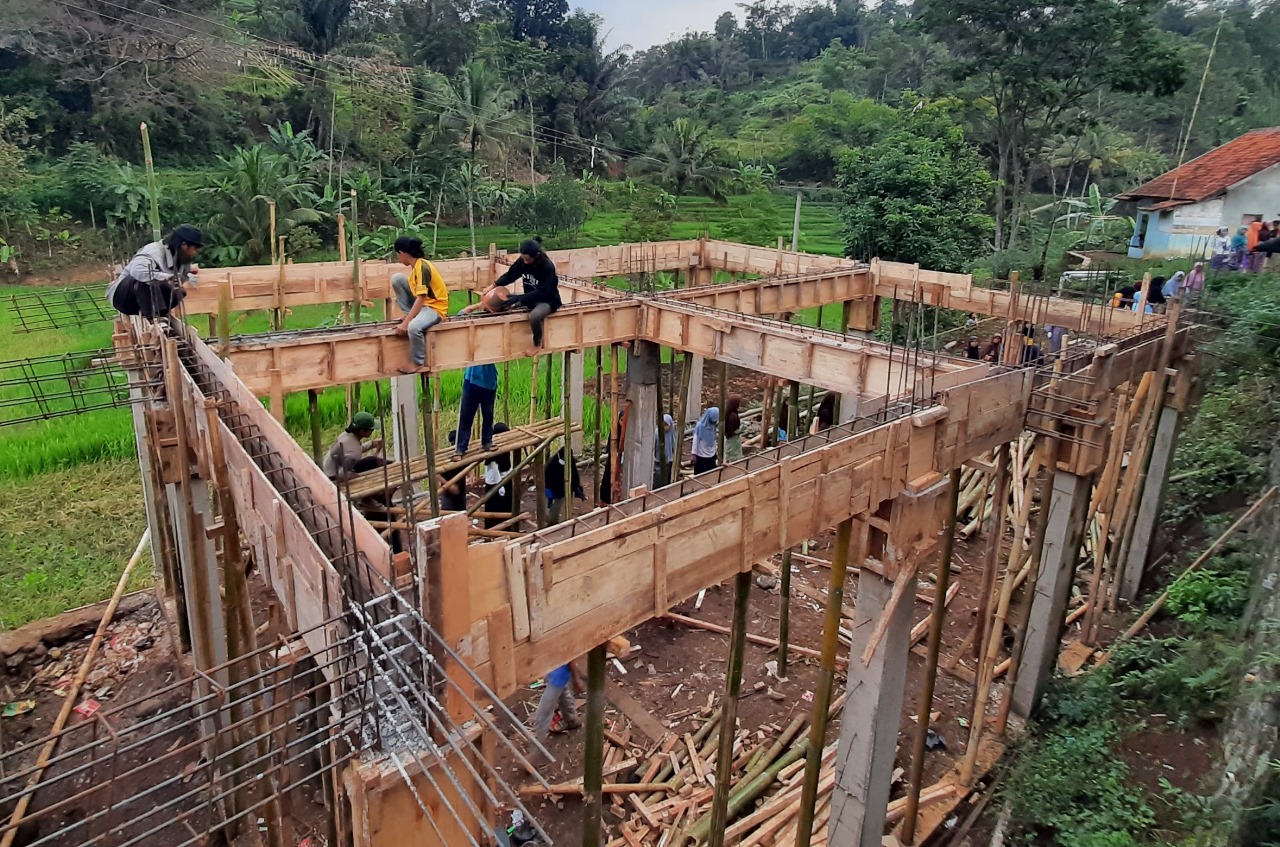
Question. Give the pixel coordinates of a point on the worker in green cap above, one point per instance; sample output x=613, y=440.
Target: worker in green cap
x=347, y=455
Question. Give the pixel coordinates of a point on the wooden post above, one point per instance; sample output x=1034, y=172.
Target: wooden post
x=342, y=237
x=593, y=748
x=533, y=389
x=506, y=393
x=271, y=214
x=313, y=410
x=153, y=199
x=784, y=587
x=826, y=682
x=595, y=453
x=931, y=665
x=729, y=709
x=277, y=314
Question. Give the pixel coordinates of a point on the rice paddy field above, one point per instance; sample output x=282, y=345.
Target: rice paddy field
x=70, y=504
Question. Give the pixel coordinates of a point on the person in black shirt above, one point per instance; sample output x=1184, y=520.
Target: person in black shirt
x=541, y=289
x=553, y=478
x=973, y=350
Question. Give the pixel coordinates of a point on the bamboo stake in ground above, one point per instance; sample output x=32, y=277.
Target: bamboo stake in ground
x=593, y=748
x=784, y=583
x=729, y=709
x=992, y=563
x=826, y=681
x=931, y=666
x=73, y=693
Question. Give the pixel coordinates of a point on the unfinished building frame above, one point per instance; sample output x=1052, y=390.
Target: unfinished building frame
x=387, y=690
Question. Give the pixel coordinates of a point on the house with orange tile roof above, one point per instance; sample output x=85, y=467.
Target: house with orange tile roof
x=1178, y=213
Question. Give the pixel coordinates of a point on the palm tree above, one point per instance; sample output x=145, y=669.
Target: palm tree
x=478, y=105
x=241, y=196
x=683, y=158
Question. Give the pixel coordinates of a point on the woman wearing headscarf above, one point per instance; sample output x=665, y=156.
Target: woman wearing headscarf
x=1174, y=286
x=1193, y=285
x=733, y=429
x=704, y=441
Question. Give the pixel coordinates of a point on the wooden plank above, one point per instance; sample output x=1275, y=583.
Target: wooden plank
x=635, y=712
x=501, y=647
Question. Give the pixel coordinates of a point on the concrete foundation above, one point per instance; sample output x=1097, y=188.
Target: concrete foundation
x=1068, y=505
x=869, y=722
x=1144, y=528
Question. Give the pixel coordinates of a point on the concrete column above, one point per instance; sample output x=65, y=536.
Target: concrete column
x=198, y=558
x=1144, y=528
x=575, y=375
x=1068, y=505
x=872, y=712
x=642, y=420
x=404, y=399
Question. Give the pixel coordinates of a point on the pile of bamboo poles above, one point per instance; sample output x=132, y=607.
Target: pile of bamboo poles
x=978, y=486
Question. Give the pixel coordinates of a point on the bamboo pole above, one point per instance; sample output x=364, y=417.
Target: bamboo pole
x=428, y=424
x=826, y=681
x=992, y=563
x=153, y=198
x=593, y=748
x=729, y=710
x=567, y=507
x=784, y=583
x=595, y=453
x=615, y=426
x=724, y=404
x=342, y=238
x=73, y=693
x=686, y=377
x=931, y=666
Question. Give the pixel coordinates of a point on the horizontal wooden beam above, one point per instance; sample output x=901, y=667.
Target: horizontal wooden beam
x=320, y=358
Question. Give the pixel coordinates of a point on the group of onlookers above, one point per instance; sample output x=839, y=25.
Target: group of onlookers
x=1248, y=249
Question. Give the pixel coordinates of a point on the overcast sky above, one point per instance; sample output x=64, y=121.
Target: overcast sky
x=644, y=23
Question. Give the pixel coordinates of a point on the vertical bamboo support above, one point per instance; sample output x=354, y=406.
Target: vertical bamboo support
x=784, y=584
x=533, y=390
x=342, y=238
x=568, y=438
x=931, y=665
x=271, y=214
x=353, y=310
x=724, y=404
x=547, y=389
x=313, y=411
x=506, y=393
x=729, y=709
x=994, y=544
x=277, y=314
x=682, y=417
x=437, y=394
x=224, y=316
x=826, y=682
x=615, y=426
x=768, y=431
x=595, y=453
x=152, y=195
x=593, y=748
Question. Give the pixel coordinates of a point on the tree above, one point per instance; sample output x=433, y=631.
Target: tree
x=316, y=25
x=537, y=20
x=560, y=206
x=478, y=106
x=917, y=194
x=683, y=158
x=1031, y=63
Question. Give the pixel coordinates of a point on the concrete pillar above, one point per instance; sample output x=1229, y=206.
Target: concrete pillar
x=1068, y=505
x=575, y=373
x=404, y=400
x=872, y=712
x=642, y=420
x=1144, y=528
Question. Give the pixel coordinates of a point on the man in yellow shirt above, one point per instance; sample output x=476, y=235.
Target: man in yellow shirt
x=422, y=295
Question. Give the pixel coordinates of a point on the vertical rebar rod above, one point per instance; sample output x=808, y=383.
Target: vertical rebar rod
x=428, y=425
x=729, y=709
x=826, y=682
x=931, y=664
x=593, y=748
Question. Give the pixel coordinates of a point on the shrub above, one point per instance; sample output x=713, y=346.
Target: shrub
x=1207, y=597
x=560, y=206
x=1192, y=678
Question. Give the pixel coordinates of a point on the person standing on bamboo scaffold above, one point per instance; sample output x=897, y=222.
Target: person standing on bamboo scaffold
x=541, y=290
x=423, y=297
x=479, y=391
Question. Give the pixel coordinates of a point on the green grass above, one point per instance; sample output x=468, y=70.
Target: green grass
x=69, y=498
x=66, y=537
